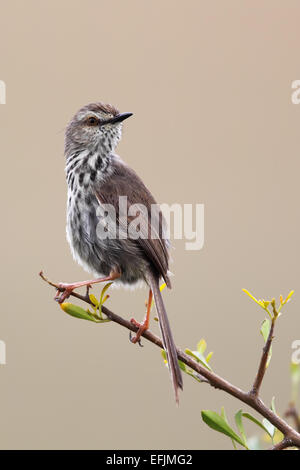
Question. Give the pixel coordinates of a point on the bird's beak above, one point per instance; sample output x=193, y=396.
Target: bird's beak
x=118, y=118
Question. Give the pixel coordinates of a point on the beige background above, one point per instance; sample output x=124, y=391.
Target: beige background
x=209, y=83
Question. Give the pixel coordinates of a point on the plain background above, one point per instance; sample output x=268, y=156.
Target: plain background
x=209, y=83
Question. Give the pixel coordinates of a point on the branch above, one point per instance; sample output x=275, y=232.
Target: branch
x=293, y=413
x=291, y=436
x=263, y=362
x=284, y=444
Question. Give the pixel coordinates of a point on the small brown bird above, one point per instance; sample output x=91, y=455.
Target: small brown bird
x=97, y=178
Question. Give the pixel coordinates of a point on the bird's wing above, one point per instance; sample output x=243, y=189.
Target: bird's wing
x=125, y=182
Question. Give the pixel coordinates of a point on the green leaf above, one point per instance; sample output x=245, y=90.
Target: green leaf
x=240, y=426
x=269, y=427
x=254, y=420
x=105, y=288
x=266, y=303
x=105, y=299
x=218, y=423
x=201, y=346
x=265, y=330
x=250, y=295
x=262, y=303
x=273, y=405
x=208, y=357
x=223, y=414
x=199, y=358
x=93, y=300
x=289, y=296
x=77, y=312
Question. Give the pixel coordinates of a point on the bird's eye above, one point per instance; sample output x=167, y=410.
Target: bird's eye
x=92, y=121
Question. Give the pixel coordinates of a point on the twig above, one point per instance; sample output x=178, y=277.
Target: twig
x=291, y=436
x=263, y=362
x=284, y=444
x=292, y=412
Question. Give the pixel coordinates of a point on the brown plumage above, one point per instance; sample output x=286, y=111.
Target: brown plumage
x=125, y=182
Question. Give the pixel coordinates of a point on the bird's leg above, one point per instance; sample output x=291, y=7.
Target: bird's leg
x=64, y=290
x=87, y=291
x=145, y=325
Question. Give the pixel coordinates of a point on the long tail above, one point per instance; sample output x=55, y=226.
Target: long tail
x=167, y=337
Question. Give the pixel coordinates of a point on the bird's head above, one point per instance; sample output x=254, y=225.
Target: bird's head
x=96, y=125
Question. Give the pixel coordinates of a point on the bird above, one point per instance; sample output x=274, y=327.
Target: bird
x=96, y=178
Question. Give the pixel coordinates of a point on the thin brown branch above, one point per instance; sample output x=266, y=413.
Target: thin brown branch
x=292, y=412
x=284, y=444
x=291, y=436
x=263, y=362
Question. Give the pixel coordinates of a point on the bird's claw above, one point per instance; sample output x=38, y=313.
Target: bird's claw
x=131, y=339
x=62, y=294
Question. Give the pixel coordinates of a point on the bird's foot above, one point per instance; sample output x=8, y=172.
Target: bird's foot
x=64, y=290
x=138, y=341
x=142, y=327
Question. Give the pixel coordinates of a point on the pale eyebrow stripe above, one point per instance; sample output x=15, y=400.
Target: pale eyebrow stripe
x=88, y=113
